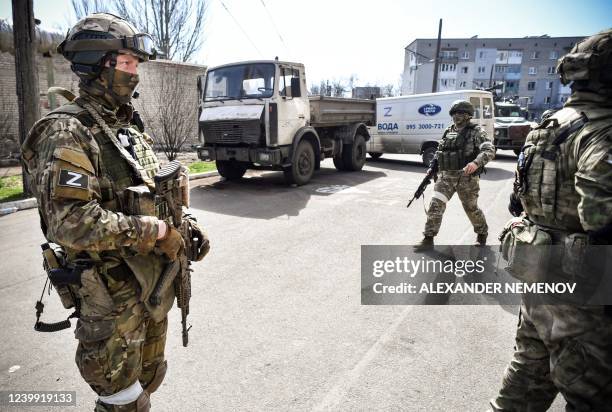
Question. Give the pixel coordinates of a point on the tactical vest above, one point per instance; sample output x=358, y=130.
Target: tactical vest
x=116, y=174
x=451, y=150
x=546, y=169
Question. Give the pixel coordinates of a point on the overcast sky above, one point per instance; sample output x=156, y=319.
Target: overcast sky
x=337, y=38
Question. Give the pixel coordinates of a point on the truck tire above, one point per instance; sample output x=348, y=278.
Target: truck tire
x=230, y=169
x=374, y=155
x=302, y=169
x=428, y=155
x=339, y=163
x=353, y=155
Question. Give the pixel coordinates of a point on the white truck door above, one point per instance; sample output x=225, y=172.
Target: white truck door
x=293, y=106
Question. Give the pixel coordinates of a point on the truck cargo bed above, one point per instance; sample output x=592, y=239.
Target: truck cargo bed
x=337, y=111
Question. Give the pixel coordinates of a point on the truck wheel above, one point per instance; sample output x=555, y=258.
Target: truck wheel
x=353, y=155
x=303, y=165
x=375, y=155
x=230, y=169
x=339, y=163
x=428, y=155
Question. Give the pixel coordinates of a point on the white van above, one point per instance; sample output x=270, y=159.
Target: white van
x=414, y=124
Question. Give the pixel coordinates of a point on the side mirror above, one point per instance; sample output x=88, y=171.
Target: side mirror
x=295, y=87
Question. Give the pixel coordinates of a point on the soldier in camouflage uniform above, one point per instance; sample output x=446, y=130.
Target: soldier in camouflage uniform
x=564, y=188
x=462, y=153
x=85, y=161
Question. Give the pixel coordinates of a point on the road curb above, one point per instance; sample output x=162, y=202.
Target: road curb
x=11, y=207
x=24, y=204
x=203, y=175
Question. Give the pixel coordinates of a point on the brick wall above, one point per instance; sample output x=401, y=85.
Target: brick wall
x=150, y=73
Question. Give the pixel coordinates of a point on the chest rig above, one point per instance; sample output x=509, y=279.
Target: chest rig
x=456, y=149
x=545, y=173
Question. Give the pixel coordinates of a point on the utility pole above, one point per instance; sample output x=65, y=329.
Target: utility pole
x=24, y=38
x=434, y=85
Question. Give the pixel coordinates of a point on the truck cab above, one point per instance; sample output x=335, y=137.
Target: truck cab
x=257, y=115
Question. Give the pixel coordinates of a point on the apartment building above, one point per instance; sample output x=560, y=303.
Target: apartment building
x=523, y=68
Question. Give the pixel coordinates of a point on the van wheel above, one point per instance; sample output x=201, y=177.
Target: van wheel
x=375, y=155
x=302, y=169
x=353, y=155
x=230, y=169
x=428, y=155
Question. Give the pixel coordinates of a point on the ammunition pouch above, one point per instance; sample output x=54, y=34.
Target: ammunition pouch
x=526, y=249
x=138, y=200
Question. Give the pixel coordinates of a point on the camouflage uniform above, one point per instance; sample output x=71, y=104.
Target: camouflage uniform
x=476, y=146
x=566, y=348
x=79, y=173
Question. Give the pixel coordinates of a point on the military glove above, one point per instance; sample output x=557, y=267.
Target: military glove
x=199, y=241
x=171, y=244
x=515, y=206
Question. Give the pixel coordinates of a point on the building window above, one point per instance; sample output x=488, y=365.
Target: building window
x=509, y=85
x=481, y=84
x=531, y=85
x=530, y=99
x=464, y=70
x=554, y=55
x=549, y=85
x=533, y=70
x=465, y=55
x=463, y=84
x=448, y=54
x=547, y=100
x=481, y=69
x=481, y=55
x=535, y=55
x=448, y=67
x=551, y=70
x=501, y=69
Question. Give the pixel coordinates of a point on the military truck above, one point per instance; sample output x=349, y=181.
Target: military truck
x=511, y=128
x=257, y=115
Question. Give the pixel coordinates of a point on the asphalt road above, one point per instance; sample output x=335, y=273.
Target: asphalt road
x=276, y=313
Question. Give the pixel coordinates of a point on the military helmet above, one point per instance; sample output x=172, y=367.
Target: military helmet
x=99, y=35
x=589, y=61
x=462, y=106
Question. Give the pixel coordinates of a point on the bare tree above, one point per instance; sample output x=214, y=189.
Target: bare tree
x=315, y=89
x=82, y=8
x=388, y=90
x=172, y=121
x=338, y=88
x=176, y=25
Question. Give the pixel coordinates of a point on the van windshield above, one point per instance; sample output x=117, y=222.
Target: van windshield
x=507, y=111
x=241, y=81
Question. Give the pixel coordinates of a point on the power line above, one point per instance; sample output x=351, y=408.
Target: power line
x=275, y=27
x=240, y=27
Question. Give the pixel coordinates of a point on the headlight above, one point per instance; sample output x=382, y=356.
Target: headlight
x=264, y=157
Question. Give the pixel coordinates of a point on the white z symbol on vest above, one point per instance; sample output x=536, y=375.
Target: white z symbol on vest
x=75, y=177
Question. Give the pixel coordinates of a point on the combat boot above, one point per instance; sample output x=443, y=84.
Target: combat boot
x=426, y=244
x=481, y=239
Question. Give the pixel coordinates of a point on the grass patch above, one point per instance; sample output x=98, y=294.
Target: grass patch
x=11, y=188
x=200, y=167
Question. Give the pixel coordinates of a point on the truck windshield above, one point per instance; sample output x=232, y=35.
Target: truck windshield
x=240, y=81
x=507, y=111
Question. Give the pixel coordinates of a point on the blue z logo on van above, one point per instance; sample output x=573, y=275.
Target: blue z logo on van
x=430, y=109
x=387, y=111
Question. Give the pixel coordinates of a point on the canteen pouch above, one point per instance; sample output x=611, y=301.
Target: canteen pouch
x=527, y=250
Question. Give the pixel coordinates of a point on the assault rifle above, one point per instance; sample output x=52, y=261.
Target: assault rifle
x=171, y=194
x=431, y=174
